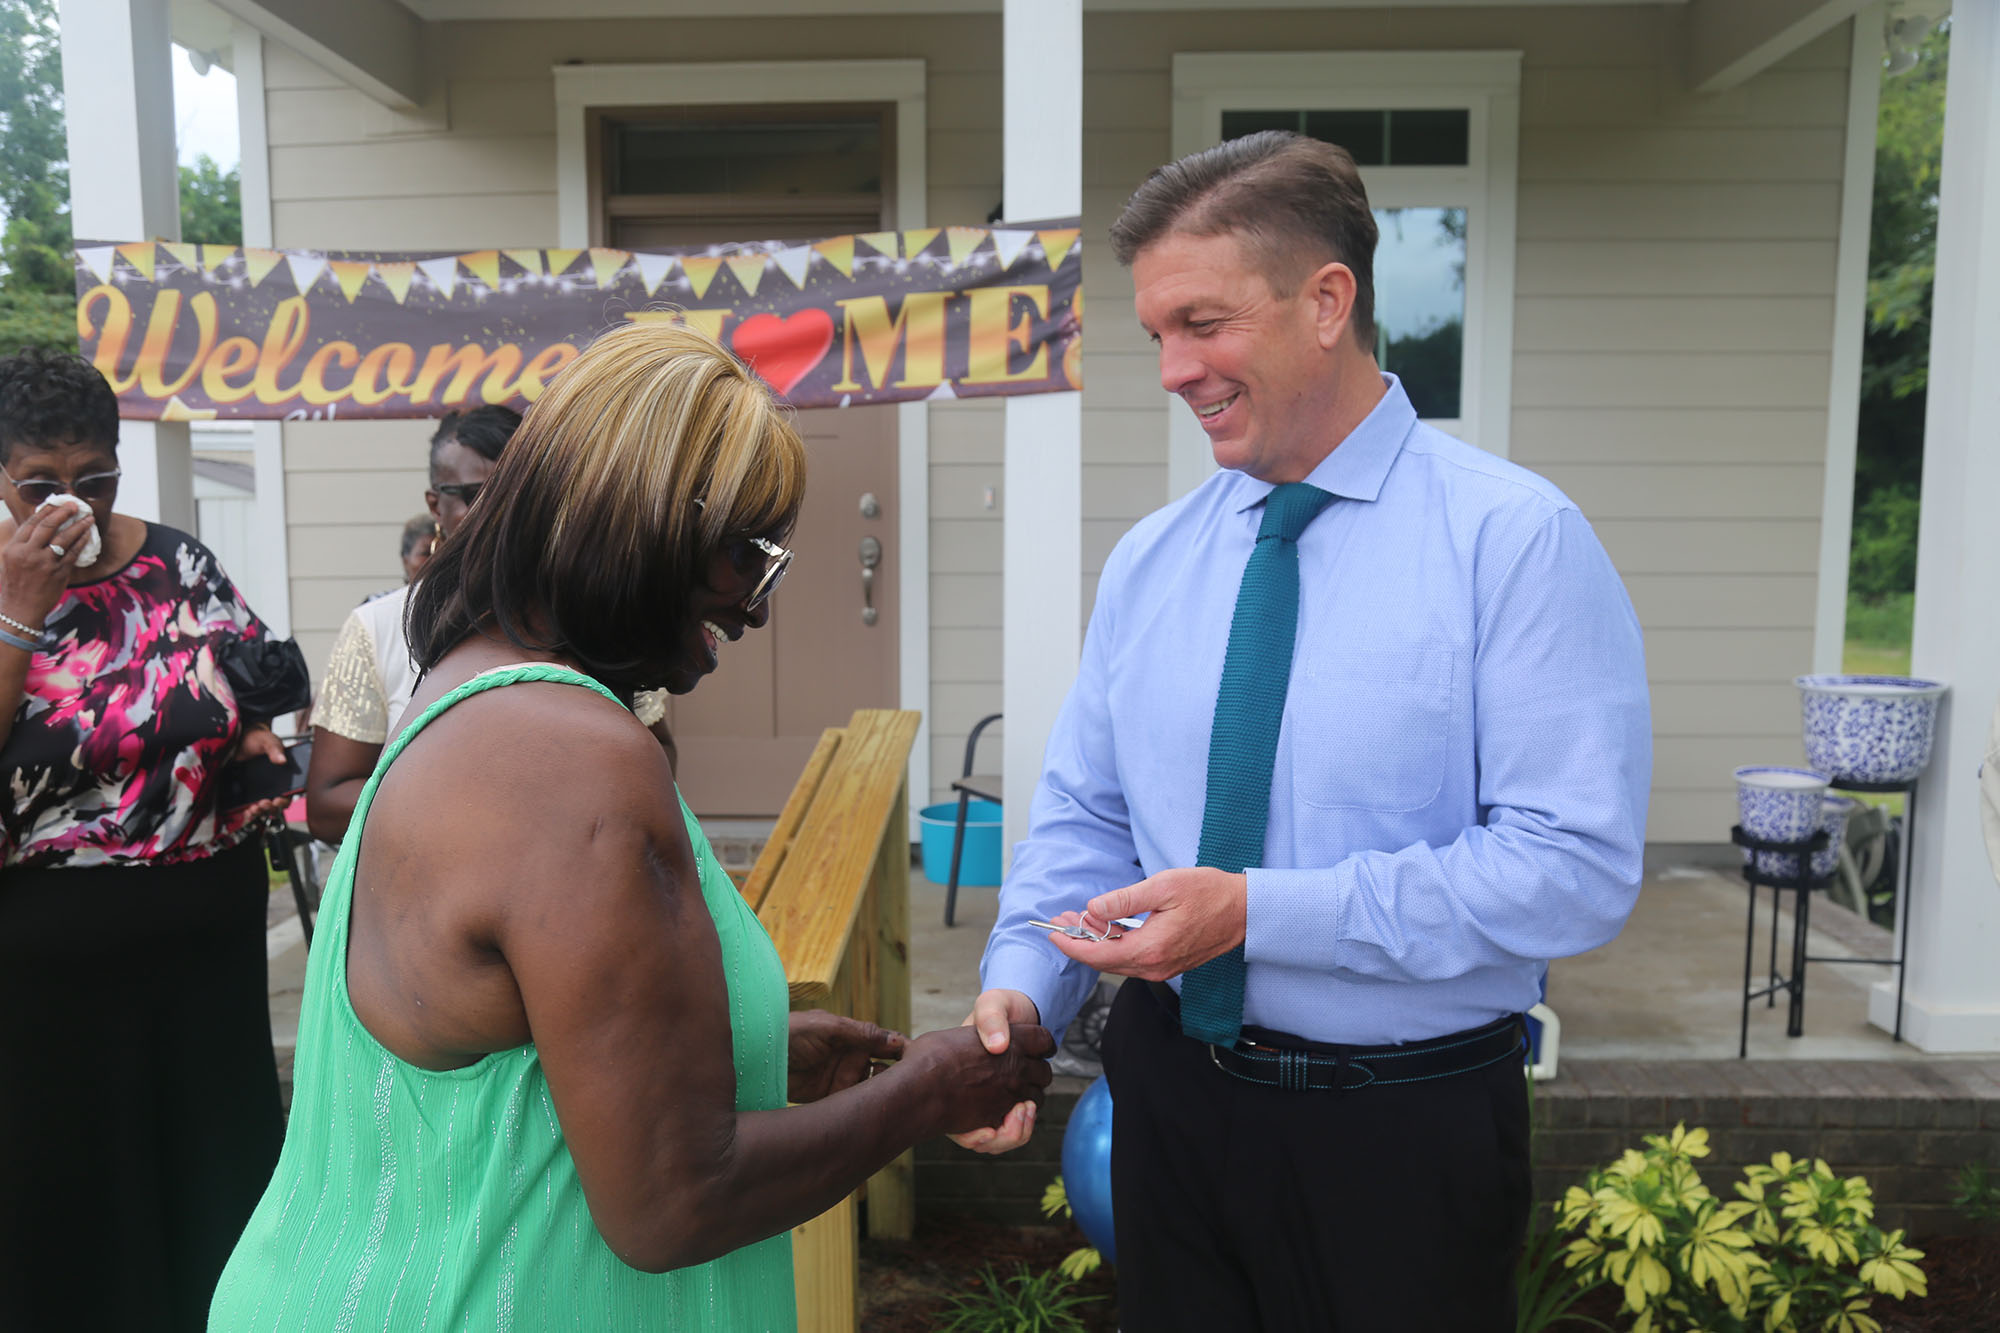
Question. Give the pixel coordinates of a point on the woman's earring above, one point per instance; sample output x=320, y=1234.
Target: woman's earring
x=434, y=539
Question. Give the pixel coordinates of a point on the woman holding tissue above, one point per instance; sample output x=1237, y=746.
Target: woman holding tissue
x=544, y=1051
x=139, y=1111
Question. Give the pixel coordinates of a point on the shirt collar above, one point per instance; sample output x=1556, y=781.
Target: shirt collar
x=1358, y=465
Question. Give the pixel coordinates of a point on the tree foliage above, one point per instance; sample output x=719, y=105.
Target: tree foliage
x=34, y=174
x=211, y=203
x=1902, y=266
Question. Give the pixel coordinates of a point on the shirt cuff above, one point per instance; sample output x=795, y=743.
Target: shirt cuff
x=1023, y=967
x=1293, y=917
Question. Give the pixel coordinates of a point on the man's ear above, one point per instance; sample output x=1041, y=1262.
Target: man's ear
x=1332, y=288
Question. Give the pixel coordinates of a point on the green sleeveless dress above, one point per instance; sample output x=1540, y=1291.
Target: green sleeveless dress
x=412, y=1199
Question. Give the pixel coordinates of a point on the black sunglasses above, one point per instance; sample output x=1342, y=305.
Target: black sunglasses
x=93, y=489
x=465, y=492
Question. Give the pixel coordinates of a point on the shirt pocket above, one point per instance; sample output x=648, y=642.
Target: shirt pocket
x=1370, y=728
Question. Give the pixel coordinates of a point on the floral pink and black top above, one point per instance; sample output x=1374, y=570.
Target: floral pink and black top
x=118, y=745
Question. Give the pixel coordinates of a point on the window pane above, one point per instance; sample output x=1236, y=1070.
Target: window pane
x=690, y=157
x=1236, y=124
x=1429, y=138
x=1362, y=133
x=1420, y=304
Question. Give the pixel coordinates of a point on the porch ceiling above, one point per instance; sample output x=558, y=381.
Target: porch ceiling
x=452, y=10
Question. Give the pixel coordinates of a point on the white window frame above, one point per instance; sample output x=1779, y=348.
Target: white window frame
x=1487, y=84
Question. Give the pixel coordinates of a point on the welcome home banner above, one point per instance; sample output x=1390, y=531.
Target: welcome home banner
x=189, y=332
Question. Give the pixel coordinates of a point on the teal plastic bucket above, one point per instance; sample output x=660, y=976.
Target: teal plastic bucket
x=980, y=863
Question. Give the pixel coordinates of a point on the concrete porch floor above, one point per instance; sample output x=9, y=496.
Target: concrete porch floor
x=1667, y=988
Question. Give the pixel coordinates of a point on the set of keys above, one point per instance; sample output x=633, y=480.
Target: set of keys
x=1083, y=932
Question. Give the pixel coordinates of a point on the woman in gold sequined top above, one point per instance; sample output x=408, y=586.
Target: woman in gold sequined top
x=370, y=676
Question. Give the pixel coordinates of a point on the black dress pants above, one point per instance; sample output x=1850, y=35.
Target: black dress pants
x=1239, y=1206
x=139, y=1111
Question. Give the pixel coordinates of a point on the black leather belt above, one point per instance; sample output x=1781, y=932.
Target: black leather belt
x=1281, y=1060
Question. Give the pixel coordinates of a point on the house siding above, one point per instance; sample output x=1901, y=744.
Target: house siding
x=1673, y=312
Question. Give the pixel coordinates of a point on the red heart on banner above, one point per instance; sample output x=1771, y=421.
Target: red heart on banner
x=784, y=351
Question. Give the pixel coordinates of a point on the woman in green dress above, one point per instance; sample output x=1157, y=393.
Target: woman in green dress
x=544, y=1054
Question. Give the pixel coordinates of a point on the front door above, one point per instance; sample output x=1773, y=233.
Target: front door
x=678, y=179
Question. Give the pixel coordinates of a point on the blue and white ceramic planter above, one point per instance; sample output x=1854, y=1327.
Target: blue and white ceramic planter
x=1833, y=813
x=1778, y=805
x=1869, y=728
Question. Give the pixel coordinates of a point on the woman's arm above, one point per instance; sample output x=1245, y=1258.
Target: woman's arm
x=32, y=580
x=609, y=941
x=340, y=768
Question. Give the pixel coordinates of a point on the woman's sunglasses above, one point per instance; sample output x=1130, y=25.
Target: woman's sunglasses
x=93, y=489
x=465, y=492
x=776, y=561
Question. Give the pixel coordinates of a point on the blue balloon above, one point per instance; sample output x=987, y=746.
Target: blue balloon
x=1086, y=1167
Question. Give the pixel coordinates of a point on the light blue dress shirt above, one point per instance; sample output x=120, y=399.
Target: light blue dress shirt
x=1460, y=787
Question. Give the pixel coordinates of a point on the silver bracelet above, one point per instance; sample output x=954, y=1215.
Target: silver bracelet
x=12, y=623
x=13, y=640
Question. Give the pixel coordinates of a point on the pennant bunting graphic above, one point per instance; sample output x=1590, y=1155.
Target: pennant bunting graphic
x=396, y=277
x=258, y=263
x=443, y=273
x=700, y=270
x=838, y=252
x=98, y=260
x=485, y=266
x=1056, y=245
x=962, y=241
x=1008, y=245
x=605, y=264
x=749, y=271
x=875, y=318
x=793, y=263
x=653, y=269
x=350, y=274
x=306, y=269
x=139, y=254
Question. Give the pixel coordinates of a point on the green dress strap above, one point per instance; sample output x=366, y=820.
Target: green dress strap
x=408, y=1198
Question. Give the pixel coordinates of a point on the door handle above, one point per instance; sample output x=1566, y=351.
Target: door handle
x=871, y=556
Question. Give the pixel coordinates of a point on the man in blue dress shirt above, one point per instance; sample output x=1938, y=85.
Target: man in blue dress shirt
x=1334, y=1134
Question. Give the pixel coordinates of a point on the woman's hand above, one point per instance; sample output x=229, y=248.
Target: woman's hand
x=33, y=573
x=260, y=744
x=972, y=1088
x=830, y=1053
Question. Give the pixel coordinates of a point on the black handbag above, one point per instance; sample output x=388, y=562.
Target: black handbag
x=268, y=676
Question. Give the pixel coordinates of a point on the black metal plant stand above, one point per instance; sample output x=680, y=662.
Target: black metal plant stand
x=1803, y=883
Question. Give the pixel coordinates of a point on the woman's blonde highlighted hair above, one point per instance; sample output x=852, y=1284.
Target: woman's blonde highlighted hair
x=645, y=457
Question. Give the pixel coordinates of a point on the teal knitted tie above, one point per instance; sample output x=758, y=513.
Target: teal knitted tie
x=1243, y=743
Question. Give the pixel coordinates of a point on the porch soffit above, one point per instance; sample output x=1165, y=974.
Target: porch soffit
x=376, y=46
x=453, y=10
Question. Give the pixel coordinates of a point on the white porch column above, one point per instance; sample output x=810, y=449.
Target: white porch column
x=271, y=599
x=1042, y=602
x=1954, y=982
x=124, y=185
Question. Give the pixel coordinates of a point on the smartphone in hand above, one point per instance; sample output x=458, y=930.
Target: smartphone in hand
x=256, y=778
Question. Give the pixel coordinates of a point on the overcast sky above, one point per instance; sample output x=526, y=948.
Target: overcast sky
x=205, y=113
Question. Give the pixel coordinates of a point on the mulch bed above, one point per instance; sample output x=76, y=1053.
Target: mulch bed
x=907, y=1286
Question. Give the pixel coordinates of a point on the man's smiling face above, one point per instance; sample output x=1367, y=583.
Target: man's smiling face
x=1255, y=367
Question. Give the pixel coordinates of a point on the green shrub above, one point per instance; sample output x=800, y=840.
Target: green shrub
x=1024, y=1303
x=1885, y=620
x=1882, y=553
x=1796, y=1252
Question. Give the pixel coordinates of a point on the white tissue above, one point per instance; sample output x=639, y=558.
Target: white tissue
x=93, y=545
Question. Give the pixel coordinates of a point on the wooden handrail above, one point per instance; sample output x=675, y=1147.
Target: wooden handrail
x=832, y=886
x=816, y=890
